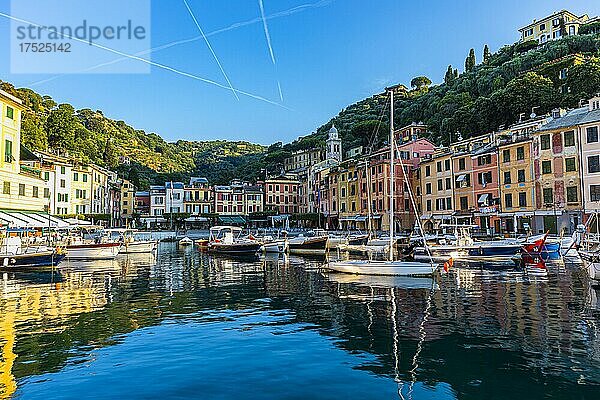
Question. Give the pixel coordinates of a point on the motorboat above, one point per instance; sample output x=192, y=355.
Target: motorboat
x=311, y=245
x=79, y=249
x=14, y=255
x=270, y=245
x=131, y=244
x=464, y=249
x=185, y=241
x=229, y=240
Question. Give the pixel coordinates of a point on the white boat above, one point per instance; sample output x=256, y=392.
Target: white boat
x=228, y=240
x=186, y=241
x=275, y=246
x=131, y=244
x=93, y=251
x=387, y=267
x=383, y=267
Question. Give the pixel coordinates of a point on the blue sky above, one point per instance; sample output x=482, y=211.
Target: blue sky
x=327, y=57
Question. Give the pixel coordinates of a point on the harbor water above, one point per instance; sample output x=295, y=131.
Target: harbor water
x=183, y=324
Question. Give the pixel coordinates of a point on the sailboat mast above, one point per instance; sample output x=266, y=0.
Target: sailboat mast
x=392, y=174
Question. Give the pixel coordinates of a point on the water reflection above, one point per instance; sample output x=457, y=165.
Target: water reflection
x=468, y=334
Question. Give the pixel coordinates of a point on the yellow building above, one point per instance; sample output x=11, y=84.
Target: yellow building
x=516, y=176
x=554, y=26
x=127, y=199
x=81, y=202
x=21, y=185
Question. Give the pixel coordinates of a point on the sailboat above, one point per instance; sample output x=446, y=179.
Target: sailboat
x=390, y=266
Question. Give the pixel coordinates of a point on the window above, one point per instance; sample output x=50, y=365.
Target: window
x=507, y=177
x=76, y=176
x=508, y=200
x=521, y=175
x=570, y=164
x=520, y=153
x=6, y=188
x=8, y=153
x=506, y=155
x=428, y=205
x=447, y=165
x=542, y=27
x=461, y=164
x=36, y=191
x=592, y=134
x=428, y=170
x=438, y=166
x=593, y=164
x=545, y=142
x=10, y=112
x=62, y=170
x=448, y=203
x=570, y=139
x=440, y=184
x=594, y=192
x=21, y=189
x=62, y=183
x=448, y=183
x=572, y=194
x=428, y=188
x=46, y=193
x=548, y=196
x=484, y=178
x=464, y=203
x=484, y=160
x=522, y=199
x=46, y=176
x=85, y=177
x=546, y=167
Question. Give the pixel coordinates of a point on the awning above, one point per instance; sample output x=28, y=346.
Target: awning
x=281, y=217
x=442, y=217
x=194, y=218
x=24, y=219
x=232, y=219
x=483, y=198
x=425, y=217
x=461, y=178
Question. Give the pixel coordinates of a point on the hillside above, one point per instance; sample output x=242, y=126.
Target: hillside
x=513, y=81
x=484, y=97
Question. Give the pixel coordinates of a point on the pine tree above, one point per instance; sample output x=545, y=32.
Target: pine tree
x=470, y=61
x=456, y=75
x=449, y=77
x=486, y=54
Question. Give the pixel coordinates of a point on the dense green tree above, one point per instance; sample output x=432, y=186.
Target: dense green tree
x=486, y=54
x=527, y=91
x=60, y=127
x=470, y=62
x=420, y=82
x=449, y=77
x=583, y=81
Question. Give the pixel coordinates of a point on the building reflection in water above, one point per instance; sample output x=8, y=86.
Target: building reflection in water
x=467, y=332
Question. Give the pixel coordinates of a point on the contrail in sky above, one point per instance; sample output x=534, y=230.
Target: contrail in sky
x=155, y=64
x=268, y=36
x=165, y=46
x=211, y=49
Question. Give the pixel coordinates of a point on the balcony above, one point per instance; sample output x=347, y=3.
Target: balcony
x=31, y=172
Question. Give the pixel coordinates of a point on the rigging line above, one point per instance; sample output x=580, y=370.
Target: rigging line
x=375, y=132
x=414, y=205
x=165, y=46
x=422, y=336
x=211, y=49
x=152, y=63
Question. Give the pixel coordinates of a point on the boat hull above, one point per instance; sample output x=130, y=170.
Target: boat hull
x=40, y=259
x=382, y=268
x=235, y=248
x=278, y=246
x=314, y=246
x=101, y=251
x=139, y=247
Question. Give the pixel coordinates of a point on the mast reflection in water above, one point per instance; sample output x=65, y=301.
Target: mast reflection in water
x=188, y=325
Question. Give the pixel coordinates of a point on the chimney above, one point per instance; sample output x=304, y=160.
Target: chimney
x=594, y=103
x=558, y=113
